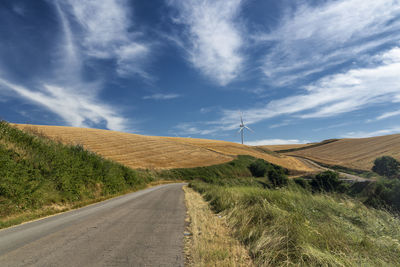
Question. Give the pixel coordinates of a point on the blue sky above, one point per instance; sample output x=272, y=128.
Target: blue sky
x=299, y=71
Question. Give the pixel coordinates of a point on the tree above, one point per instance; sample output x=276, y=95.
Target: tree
x=386, y=166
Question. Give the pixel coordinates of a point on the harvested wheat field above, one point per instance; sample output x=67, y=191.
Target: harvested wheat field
x=353, y=153
x=285, y=147
x=138, y=151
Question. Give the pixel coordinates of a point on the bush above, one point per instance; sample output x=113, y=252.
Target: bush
x=302, y=182
x=258, y=168
x=384, y=194
x=277, y=177
x=327, y=181
x=386, y=166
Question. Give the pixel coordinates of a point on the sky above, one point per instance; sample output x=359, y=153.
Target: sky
x=299, y=71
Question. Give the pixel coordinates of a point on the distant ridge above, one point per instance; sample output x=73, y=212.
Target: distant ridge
x=356, y=153
x=139, y=151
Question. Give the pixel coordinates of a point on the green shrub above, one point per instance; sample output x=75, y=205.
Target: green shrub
x=327, y=181
x=386, y=166
x=302, y=183
x=259, y=168
x=277, y=177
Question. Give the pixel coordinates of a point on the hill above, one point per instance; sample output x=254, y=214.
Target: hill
x=277, y=148
x=39, y=176
x=138, y=151
x=355, y=153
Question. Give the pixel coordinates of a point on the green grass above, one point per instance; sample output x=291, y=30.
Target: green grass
x=231, y=170
x=36, y=173
x=292, y=226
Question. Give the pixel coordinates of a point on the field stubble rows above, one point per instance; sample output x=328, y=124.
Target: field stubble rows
x=152, y=152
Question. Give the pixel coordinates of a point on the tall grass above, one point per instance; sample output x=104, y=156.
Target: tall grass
x=291, y=226
x=37, y=172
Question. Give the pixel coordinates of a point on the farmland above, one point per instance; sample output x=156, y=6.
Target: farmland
x=152, y=152
x=356, y=153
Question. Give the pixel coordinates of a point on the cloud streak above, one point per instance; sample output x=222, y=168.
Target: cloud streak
x=161, y=96
x=76, y=109
x=105, y=32
x=330, y=96
x=361, y=134
x=212, y=39
x=266, y=142
x=312, y=39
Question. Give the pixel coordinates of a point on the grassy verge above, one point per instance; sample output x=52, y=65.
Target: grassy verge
x=210, y=242
x=291, y=226
x=40, y=177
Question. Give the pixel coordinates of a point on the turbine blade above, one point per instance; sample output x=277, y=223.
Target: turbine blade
x=241, y=129
x=248, y=128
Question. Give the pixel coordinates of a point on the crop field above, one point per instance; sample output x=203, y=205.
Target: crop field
x=284, y=147
x=138, y=151
x=353, y=153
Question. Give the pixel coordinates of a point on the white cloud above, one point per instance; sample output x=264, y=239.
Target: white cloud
x=76, y=109
x=190, y=129
x=388, y=115
x=330, y=96
x=212, y=38
x=315, y=38
x=162, y=96
x=361, y=134
x=267, y=142
x=106, y=33
x=64, y=92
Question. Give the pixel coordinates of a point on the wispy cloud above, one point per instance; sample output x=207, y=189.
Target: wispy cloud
x=266, y=142
x=162, y=96
x=191, y=129
x=388, y=115
x=330, y=96
x=312, y=39
x=76, y=109
x=106, y=33
x=361, y=134
x=212, y=38
x=64, y=91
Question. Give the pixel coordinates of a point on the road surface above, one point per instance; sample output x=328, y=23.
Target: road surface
x=144, y=228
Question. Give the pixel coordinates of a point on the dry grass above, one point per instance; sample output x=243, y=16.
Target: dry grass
x=152, y=152
x=210, y=242
x=354, y=153
x=285, y=147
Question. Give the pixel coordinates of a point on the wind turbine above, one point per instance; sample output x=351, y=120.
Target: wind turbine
x=242, y=126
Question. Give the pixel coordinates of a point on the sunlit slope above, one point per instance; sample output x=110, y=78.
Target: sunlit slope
x=138, y=151
x=354, y=153
x=284, y=147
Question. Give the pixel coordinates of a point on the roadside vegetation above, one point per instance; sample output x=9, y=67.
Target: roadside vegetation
x=208, y=240
x=312, y=221
x=40, y=177
x=315, y=220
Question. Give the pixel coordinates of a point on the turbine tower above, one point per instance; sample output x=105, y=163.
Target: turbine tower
x=242, y=126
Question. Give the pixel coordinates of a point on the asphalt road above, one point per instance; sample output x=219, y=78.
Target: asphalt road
x=144, y=228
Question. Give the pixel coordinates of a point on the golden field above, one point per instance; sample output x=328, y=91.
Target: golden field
x=284, y=147
x=153, y=152
x=357, y=153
